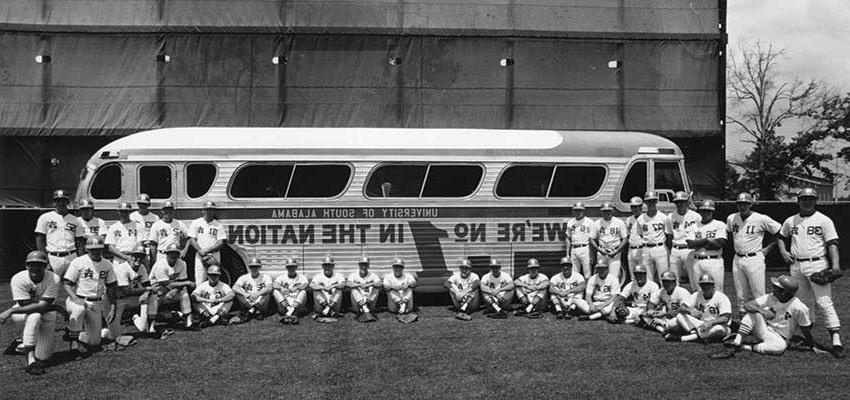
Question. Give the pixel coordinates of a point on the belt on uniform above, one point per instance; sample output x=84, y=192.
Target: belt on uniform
x=706, y=257
x=747, y=255
x=635, y=247
x=653, y=244
x=59, y=253
x=578, y=245
x=680, y=246
x=807, y=259
x=96, y=298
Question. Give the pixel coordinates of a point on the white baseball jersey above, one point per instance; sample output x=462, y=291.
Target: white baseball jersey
x=23, y=288
x=640, y=294
x=809, y=235
x=162, y=272
x=526, y=280
x=326, y=282
x=94, y=227
x=580, y=231
x=602, y=289
x=90, y=277
x=495, y=283
x=124, y=236
x=288, y=284
x=207, y=233
x=787, y=316
x=207, y=291
x=653, y=230
x=748, y=235
x=462, y=284
x=671, y=301
x=712, y=230
x=611, y=233
x=126, y=276
x=712, y=308
x=560, y=282
x=144, y=222
x=254, y=285
x=167, y=233
x=635, y=239
x=354, y=279
x=406, y=279
x=683, y=226
x=61, y=232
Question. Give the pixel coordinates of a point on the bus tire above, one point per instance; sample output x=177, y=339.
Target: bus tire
x=233, y=266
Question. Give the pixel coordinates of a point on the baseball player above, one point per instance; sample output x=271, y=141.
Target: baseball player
x=213, y=298
x=772, y=319
x=167, y=231
x=399, y=287
x=683, y=222
x=463, y=288
x=33, y=292
x=59, y=234
x=88, y=279
x=664, y=304
x=532, y=290
x=611, y=239
x=748, y=230
x=92, y=226
x=144, y=217
x=709, y=239
x=290, y=293
x=327, y=289
x=655, y=230
x=170, y=278
x=579, y=236
x=365, y=287
x=813, y=239
x=635, y=256
x=123, y=236
x=253, y=290
x=706, y=315
x=134, y=288
x=564, y=289
x=497, y=290
x=636, y=294
x=599, y=295
x=207, y=237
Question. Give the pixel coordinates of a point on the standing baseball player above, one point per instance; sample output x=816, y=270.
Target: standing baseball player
x=532, y=289
x=213, y=298
x=144, y=217
x=600, y=295
x=59, y=234
x=463, y=288
x=497, y=290
x=327, y=289
x=565, y=289
x=167, y=231
x=123, y=236
x=253, y=290
x=683, y=222
x=170, y=278
x=92, y=226
x=636, y=294
x=706, y=315
x=290, y=293
x=655, y=230
x=89, y=278
x=709, y=239
x=813, y=240
x=664, y=304
x=207, y=237
x=134, y=288
x=635, y=256
x=580, y=234
x=399, y=287
x=748, y=230
x=34, y=291
x=611, y=238
x=365, y=286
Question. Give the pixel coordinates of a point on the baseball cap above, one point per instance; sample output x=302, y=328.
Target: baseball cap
x=640, y=269
x=635, y=202
x=143, y=199
x=125, y=206
x=168, y=204
x=138, y=249
x=255, y=262
x=533, y=263
x=578, y=206
x=60, y=194
x=85, y=203
x=566, y=261
x=606, y=206
x=36, y=256
x=209, y=204
x=363, y=260
x=707, y=205
x=465, y=264
x=328, y=260
x=291, y=262
x=398, y=263
x=668, y=276
x=786, y=282
x=680, y=196
x=172, y=248
x=214, y=270
x=494, y=263
x=94, y=243
x=650, y=195
x=744, y=198
x=706, y=278
x=807, y=192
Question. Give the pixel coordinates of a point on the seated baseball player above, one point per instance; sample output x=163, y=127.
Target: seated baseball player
x=84, y=282
x=290, y=293
x=33, y=292
x=565, y=288
x=497, y=290
x=365, y=287
x=706, y=316
x=600, y=294
x=463, y=289
x=531, y=290
x=327, y=289
x=134, y=289
x=213, y=298
x=636, y=294
x=399, y=287
x=771, y=320
x=170, y=280
x=253, y=290
x=664, y=303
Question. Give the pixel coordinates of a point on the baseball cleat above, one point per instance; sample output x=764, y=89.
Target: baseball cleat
x=35, y=368
x=520, y=312
x=534, y=315
x=463, y=316
x=584, y=318
x=672, y=338
x=838, y=351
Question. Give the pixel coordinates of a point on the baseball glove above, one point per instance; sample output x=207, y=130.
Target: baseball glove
x=407, y=318
x=621, y=313
x=326, y=320
x=826, y=276
x=12, y=348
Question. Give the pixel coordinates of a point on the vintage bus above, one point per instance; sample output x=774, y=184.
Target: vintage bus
x=428, y=196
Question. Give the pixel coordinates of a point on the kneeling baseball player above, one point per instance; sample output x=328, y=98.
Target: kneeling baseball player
x=171, y=283
x=134, y=289
x=327, y=290
x=497, y=290
x=532, y=289
x=463, y=290
x=365, y=287
x=602, y=290
x=636, y=294
x=253, y=290
x=663, y=304
x=213, y=298
x=706, y=316
x=565, y=289
x=290, y=293
x=399, y=287
x=87, y=280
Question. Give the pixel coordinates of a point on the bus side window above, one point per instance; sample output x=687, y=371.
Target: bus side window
x=452, y=180
x=396, y=181
x=635, y=182
x=322, y=180
x=199, y=179
x=106, y=184
x=668, y=176
x=155, y=180
x=261, y=180
x=577, y=180
x=525, y=181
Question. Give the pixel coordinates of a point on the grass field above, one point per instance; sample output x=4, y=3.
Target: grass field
x=438, y=357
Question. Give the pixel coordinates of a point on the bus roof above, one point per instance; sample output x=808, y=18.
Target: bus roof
x=231, y=142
